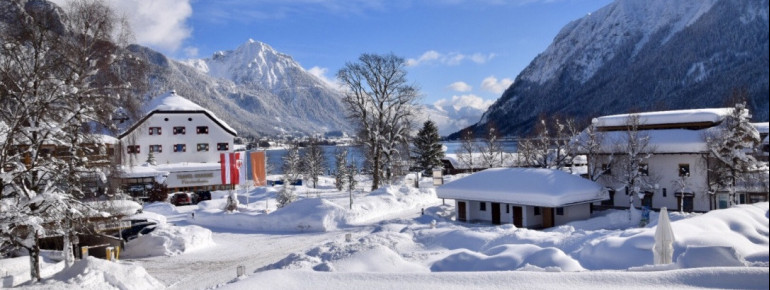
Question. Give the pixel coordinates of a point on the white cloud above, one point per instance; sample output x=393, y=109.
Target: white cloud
x=459, y=102
x=451, y=59
x=191, y=51
x=492, y=84
x=320, y=72
x=460, y=87
x=157, y=23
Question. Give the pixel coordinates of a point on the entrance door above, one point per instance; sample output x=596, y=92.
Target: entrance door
x=547, y=217
x=461, y=211
x=518, y=217
x=495, y=213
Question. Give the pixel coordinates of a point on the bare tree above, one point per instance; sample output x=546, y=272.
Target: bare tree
x=550, y=146
x=631, y=166
x=62, y=76
x=313, y=162
x=467, y=149
x=730, y=165
x=492, y=149
x=382, y=104
x=590, y=142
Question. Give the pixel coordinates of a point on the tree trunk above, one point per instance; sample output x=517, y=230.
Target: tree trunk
x=34, y=261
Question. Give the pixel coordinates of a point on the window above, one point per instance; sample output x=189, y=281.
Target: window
x=507, y=208
x=155, y=131
x=179, y=130
x=180, y=148
x=644, y=169
x=647, y=200
x=223, y=146
x=611, y=201
x=132, y=149
x=559, y=211
x=156, y=148
x=203, y=147
x=483, y=206
x=684, y=170
x=606, y=169
x=202, y=129
x=664, y=192
x=537, y=210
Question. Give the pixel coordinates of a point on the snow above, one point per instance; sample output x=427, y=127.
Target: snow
x=393, y=244
x=94, y=273
x=173, y=102
x=509, y=160
x=660, y=141
x=762, y=127
x=666, y=117
x=167, y=240
x=535, y=187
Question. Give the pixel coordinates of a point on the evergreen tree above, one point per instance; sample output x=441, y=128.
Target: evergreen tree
x=427, y=147
x=340, y=162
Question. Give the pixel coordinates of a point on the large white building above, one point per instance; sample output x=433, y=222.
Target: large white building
x=184, y=139
x=678, y=165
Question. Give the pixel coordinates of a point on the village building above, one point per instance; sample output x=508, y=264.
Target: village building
x=677, y=167
x=177, y=144
x=526, y=197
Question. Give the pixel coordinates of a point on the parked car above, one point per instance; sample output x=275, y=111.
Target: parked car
x=137, y=228
x=180, y=198
x=201, y=196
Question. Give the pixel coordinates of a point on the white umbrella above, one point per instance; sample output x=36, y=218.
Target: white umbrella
x=664, y=240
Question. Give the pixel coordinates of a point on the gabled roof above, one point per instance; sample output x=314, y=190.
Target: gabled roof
x=694, y=118
x=171, y=103
x=524, y=186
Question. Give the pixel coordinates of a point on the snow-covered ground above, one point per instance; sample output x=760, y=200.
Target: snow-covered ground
x=403, y=237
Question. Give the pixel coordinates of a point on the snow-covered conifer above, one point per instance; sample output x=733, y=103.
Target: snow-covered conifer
x=427, y=148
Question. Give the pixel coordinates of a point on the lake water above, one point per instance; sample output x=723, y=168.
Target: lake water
x=275, y=157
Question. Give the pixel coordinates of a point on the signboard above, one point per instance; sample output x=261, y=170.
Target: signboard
x=438, y=176
x=193, y=178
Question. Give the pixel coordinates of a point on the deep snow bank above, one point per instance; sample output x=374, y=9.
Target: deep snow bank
x=94, y=273
x=168, y=240
x=304, y=215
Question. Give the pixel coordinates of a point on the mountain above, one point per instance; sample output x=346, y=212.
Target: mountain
x=449, y=118
x=254, y=88
x=643, y=55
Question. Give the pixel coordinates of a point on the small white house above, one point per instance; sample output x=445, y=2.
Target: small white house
x=525, y=197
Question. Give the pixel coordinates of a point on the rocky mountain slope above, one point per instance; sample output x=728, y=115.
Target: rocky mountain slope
x=640, y=56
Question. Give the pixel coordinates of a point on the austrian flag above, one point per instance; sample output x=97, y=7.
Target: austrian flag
x=231, y=164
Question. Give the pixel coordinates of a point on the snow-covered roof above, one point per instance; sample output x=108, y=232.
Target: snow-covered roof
x=509, y=159
x=714, y=115
x=144, y=170
x=171, y=102
x=762, y=127
x=662, y=141
x=524, y=186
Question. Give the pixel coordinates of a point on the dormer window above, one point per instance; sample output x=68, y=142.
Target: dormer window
x=155, y=131
x=202, y=129
x=179, y=130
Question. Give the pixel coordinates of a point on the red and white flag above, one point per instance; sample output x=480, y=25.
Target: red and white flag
x=231, y=164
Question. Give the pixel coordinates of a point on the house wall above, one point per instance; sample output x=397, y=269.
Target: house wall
x=167, y=121
x=664, y=170
x=529, y=219
x=572, y=213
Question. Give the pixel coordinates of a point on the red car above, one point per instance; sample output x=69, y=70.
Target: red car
x=180, y=198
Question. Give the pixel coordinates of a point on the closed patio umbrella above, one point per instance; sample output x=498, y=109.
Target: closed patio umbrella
x=663, y=249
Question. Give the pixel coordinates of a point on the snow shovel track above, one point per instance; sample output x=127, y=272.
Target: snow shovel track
x=211, y=267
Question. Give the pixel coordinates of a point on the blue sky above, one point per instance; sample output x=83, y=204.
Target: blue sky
x=463, y=52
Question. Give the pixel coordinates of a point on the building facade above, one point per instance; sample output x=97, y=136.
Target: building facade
x=177, y=143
